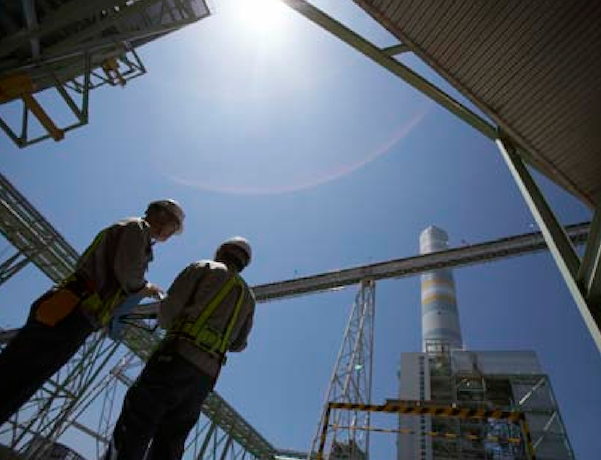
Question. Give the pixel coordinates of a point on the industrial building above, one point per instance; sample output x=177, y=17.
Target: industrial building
x=447, y=374
x=532, y=74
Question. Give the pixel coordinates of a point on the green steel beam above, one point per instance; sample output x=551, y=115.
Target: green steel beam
x=555, y=235
x=589, y=276
x=12, y=266
x=382, y=58
x=26, y=229
x=396, y=49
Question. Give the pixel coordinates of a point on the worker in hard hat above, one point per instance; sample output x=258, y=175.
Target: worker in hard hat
x=208, y=311
x=111, y=269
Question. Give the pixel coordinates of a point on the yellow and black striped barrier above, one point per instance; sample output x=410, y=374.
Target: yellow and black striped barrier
x=426, y=408
x=432, y=434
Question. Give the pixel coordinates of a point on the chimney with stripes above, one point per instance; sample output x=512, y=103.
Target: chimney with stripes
x=441, y=329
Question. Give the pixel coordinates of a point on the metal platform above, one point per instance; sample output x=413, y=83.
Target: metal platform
x=75, y=47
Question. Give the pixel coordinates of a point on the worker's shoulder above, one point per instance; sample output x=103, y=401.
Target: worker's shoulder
x=136, y=222
x=133, y=224
x=208, y=264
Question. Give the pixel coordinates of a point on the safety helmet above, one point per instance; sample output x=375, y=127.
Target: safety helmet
x=173, y=208
x=237, y=246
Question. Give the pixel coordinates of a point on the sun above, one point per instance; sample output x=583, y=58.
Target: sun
x=261, y=17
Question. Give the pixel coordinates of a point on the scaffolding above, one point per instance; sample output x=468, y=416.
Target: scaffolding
x=58, y=406
x=514, y=422
x=73, y=48
x=458, y=378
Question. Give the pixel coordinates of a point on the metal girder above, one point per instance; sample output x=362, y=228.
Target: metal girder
x=61, y=17
x=383, y=58
x=420, y=408
x=410, y=266
x=45, y=416
x=566, y=258
x=12, y=266
x=125, y=66
x=30, y=233
x=49, y=412
x=396, y=50
x=351, y=381
x=399, y=268
x=87, y=20
x=218, y=421
x=31, y=19
x=489, y=251
x=225, y=416
x=561, y=248
x=69, y=43
x=288, y=454
x=589, y=275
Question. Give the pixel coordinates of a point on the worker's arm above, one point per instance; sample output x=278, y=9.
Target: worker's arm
x=180, y=293
x=132, y=257
x=240, y=341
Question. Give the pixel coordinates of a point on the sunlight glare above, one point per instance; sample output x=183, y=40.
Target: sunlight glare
x=261, y=17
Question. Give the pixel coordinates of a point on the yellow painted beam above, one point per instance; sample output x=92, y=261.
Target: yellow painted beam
x=35, y=108
x=13, y=86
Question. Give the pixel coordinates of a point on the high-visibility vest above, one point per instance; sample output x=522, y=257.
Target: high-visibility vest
x=200, y=333
x=86, y=289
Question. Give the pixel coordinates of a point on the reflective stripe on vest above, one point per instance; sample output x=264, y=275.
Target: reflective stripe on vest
x=198, y=331
x=102, y=310
x=90, y=300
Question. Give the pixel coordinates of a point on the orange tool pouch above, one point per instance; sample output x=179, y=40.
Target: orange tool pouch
x=56, y=306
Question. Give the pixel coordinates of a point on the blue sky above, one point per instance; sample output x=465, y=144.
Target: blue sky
x=324, y=161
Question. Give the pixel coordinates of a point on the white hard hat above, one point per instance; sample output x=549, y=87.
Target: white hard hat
x=173, y=208
x=240, y=243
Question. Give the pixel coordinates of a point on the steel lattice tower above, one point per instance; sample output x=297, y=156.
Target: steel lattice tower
x=60, y=404
x=351, y=381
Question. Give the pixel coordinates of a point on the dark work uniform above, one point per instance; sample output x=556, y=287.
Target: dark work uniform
x=165, y=402
x=112, y=267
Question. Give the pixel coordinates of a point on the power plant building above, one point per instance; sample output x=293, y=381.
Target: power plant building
x=447, y=375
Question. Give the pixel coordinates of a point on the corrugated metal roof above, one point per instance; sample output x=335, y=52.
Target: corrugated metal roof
x=534, y=67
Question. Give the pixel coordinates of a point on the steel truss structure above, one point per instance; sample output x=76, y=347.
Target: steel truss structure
x=65, y=397
x=351, y=381
x=68, y=394
x=220, y=432
x=469, y=386
x=583, y=277
x=62, y=49
x=57, y=406
x=421, y=408
x=73, y=48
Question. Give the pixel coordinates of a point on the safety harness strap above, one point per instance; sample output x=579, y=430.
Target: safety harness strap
x=212, y=306
x=230, y=327
x=197, y=329
x=86, y=289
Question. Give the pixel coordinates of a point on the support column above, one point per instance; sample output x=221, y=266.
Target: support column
x=346, y=430
x=555, y=236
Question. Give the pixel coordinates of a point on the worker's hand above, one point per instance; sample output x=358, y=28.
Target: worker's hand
x=152, y=290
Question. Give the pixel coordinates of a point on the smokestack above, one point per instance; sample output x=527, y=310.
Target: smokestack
x=440, y=318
